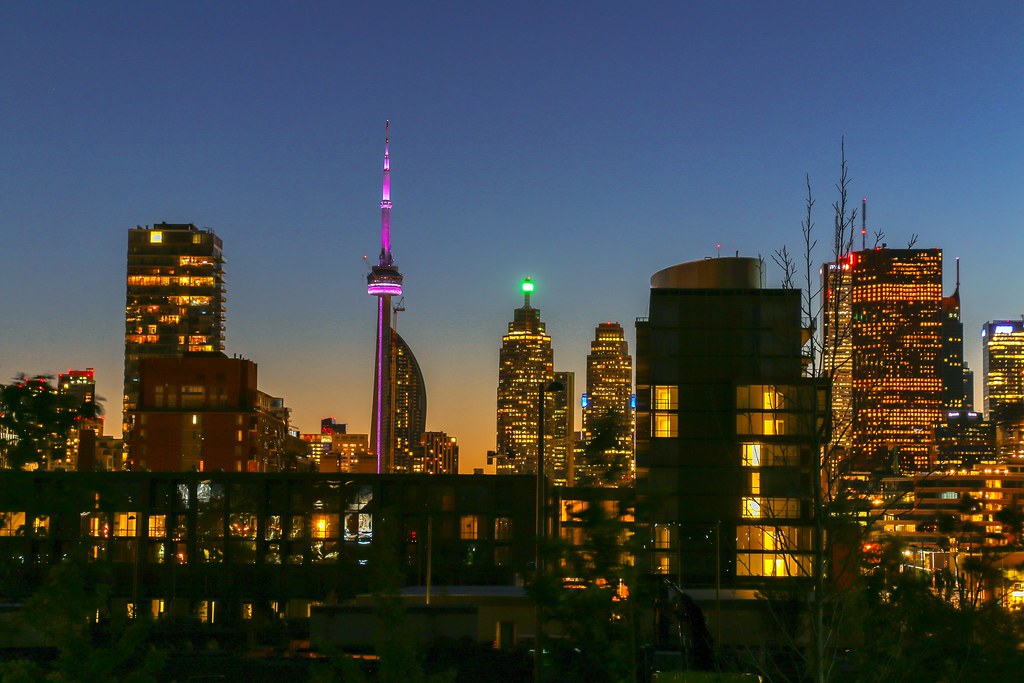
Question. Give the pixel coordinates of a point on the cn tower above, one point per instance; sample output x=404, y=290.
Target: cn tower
x=384, y=281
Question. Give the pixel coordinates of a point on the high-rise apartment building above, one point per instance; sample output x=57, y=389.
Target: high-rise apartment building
x=725, y=431
x=409, y=416
x=526, y=363
x=897, y=343
x=607, y=410
x=81, y=384
x=437, y=453
x=175, y=297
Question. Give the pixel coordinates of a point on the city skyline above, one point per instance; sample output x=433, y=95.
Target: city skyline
x=585, y=149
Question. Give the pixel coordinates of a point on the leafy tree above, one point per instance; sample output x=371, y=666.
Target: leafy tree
x=908, y=632
x=588, y=589
x=604, y=463
x=62, y=611
x=397, y=645
x=36, y=419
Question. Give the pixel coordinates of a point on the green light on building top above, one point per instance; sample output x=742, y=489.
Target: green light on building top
x=527, y=285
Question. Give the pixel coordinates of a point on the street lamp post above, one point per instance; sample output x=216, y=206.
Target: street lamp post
x=541, y=526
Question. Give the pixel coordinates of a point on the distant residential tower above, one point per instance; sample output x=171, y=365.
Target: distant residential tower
x=175, y=297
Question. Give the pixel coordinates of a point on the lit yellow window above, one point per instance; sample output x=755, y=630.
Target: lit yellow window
x=125, y=524
x=665, y=397
x=325, y=526
x=157, y=526
x=666, y=424
x=12, y=523
x=156, y=237
x=469, y=527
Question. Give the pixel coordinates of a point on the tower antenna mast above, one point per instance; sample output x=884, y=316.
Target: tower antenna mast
x=864, y=224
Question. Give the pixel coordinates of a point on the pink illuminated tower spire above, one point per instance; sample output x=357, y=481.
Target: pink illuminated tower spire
x=385, y=203
x=384, y=281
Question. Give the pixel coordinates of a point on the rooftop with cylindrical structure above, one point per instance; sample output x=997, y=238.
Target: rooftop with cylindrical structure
x=738, y=272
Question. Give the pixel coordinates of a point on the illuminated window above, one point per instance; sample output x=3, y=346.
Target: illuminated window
x=157, y=526
x=125, y=524
x=12, y=523
x=325, y=526
x=41, y=525
x=665, y=425
x=665, y=397
x=242, y=525
x=662, y=537
x=156, y=237
x=772, y=564
x=572, y=509
x=756, y=507
x=469, y=527
x=502, y=529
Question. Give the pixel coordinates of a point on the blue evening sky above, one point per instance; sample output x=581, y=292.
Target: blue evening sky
x=587, y=144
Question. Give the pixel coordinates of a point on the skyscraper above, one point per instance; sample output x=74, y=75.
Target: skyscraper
x=398, y=415
x=82, y=385
x=607, y=407
x=559, y=452
x=410, y=405
x=896, y=307
x=1003, y=355
x=526, y=362
x=837, y=349
x=175, y=297
x=953, y=372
